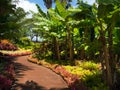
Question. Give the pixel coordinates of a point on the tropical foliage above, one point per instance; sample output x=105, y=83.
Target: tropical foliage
x=87, y=32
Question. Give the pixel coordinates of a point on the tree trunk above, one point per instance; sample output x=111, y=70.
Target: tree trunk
x=108, y=69
x=66, y=48
x=72, y=39
x=82, y=54
x=56, y=48
x=111, y=56
x=37, y=37
x=85, y=41
x=70, y=44
x=106, y=57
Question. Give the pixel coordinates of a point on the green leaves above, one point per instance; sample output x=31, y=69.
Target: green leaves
x=104, y=10
x=40, y=11
x=106, y=2
x=61, y=9
x=54, y=15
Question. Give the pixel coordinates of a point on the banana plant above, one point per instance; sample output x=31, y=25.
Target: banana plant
x=65, y=16
x=108, y=14
x=54, y=19
x=104, y=15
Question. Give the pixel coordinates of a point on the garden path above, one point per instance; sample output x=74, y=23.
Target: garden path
x=30, y=76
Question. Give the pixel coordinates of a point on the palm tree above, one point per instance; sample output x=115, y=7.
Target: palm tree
x=48, y=3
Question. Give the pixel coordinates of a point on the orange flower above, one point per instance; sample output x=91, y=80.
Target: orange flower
x=4, y=41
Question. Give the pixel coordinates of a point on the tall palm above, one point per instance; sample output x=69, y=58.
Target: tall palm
x=48, y=3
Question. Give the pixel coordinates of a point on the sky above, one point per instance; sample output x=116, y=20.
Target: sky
x=28, y=5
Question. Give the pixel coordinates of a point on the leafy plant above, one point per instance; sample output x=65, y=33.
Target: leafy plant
x=25, y=43
x=89, y=73
x=7, y=75
x=89, y=65
x=5, y=83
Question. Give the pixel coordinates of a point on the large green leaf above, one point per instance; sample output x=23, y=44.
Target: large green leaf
x=40, y=11
x=54, y=15
x=61, y=9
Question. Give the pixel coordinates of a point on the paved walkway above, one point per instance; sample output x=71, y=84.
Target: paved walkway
x=30, y=76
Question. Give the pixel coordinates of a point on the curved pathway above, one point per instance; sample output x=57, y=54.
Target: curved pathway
x=30, y=76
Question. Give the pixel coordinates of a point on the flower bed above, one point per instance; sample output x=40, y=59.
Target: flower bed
x=14, y=53
x=7, y=75
x=72, y=80
x=7, y=45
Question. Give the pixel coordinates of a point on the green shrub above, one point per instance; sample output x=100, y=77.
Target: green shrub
x=43, y=50
x=90, y=73
x=89, y=65
x=25, y=43
x=101, y=86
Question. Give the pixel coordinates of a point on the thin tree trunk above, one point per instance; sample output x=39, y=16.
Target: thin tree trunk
x=72, y=39
x=56, y=48
x=37, y=37
x=66, y=48
x=108, y=68
x=70, y=44
x=83, y=56
x=106, y=56
x=111, y=56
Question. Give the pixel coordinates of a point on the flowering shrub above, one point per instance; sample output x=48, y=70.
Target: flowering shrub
x=7, y=75
x=71, y=79
x=9, y=71
x=14, y=53
x=5, y=83
x=5, y=41
x=6, y=45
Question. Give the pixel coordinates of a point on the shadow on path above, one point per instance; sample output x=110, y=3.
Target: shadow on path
x=29, y=85
x=19, y=68
x=30, y=76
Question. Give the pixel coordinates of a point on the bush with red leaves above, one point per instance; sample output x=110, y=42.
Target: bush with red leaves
x=7, y=76
x=5, y=83
x=6, y=45
x=71, y=79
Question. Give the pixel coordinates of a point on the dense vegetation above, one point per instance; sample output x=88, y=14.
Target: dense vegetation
x=11, y=21
x=85, y=32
